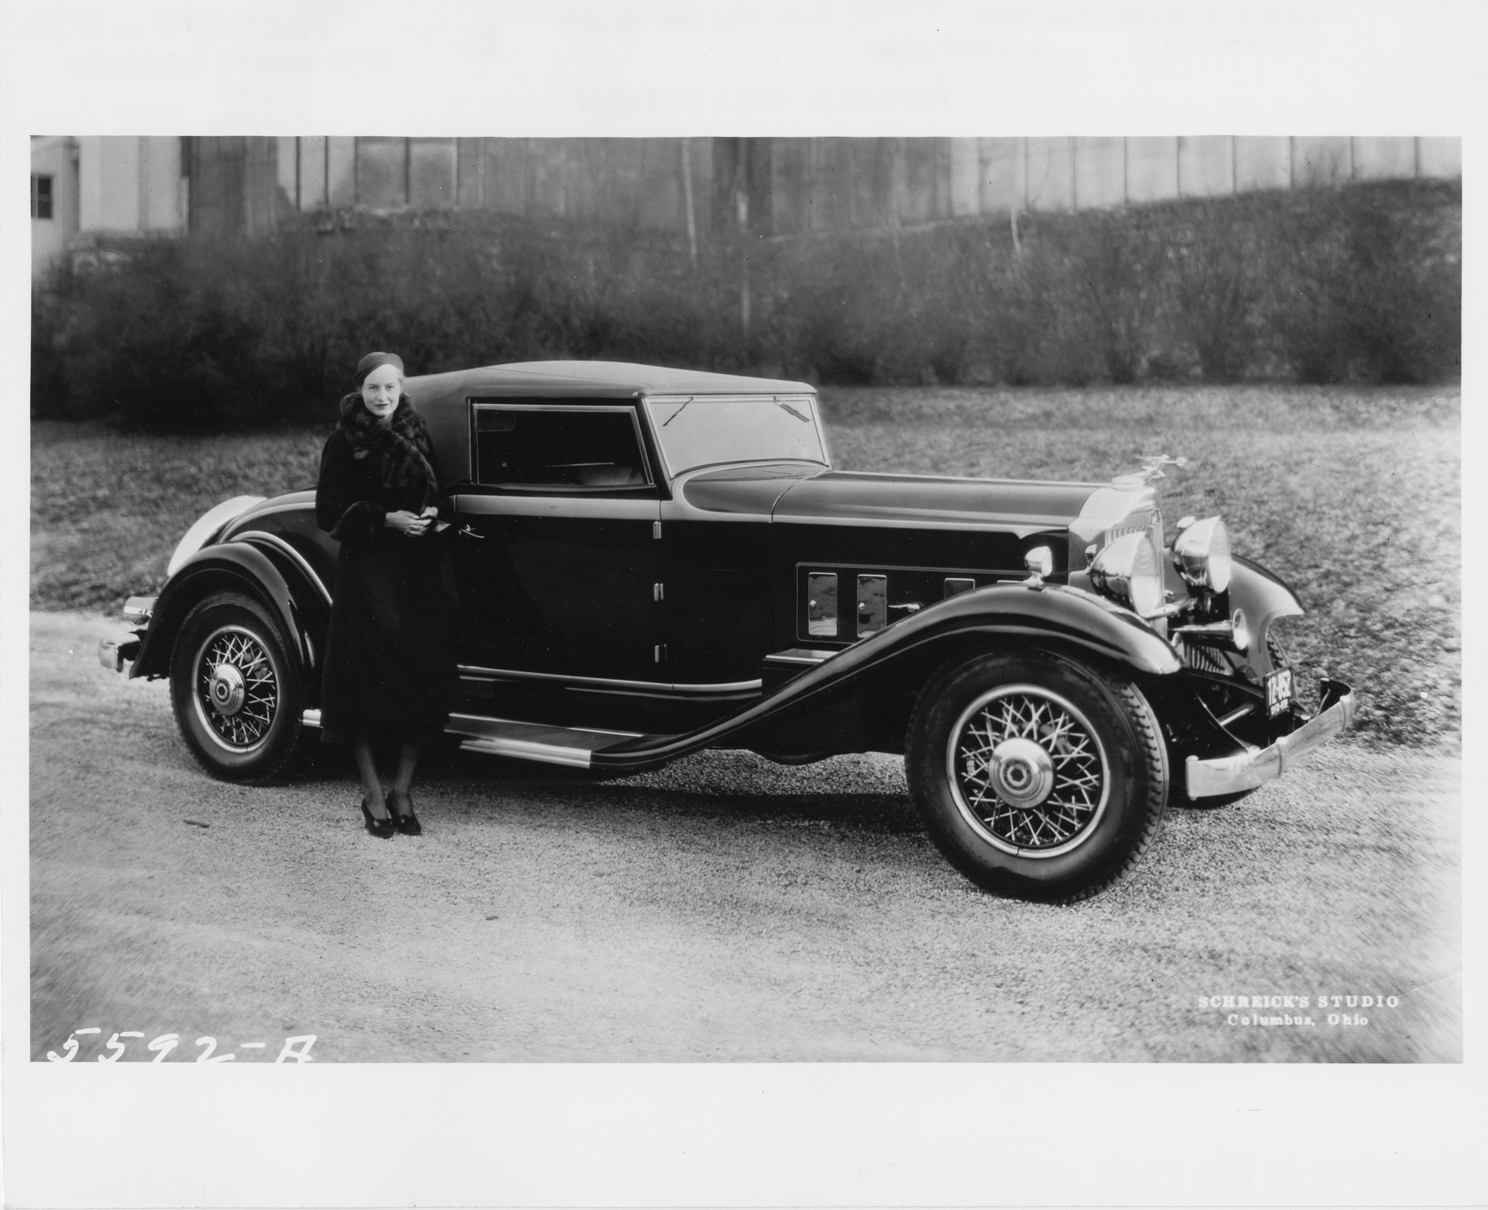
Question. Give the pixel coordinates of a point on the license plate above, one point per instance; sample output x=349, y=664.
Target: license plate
x=1278, y=692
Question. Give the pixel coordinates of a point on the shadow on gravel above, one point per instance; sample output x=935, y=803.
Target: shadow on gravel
x=748, y=787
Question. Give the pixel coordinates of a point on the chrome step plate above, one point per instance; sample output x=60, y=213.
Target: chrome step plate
x=531, y=741
x=522, y=741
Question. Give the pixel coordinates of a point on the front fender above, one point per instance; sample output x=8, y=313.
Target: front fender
x=1059, y=613
x=1262, y=594
x=229, y=565
x=1050, y=616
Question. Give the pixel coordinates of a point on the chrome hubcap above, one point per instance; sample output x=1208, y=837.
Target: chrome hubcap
x=1020, y=773
x=1027, y=771
x=237, y=689
x=227, y=689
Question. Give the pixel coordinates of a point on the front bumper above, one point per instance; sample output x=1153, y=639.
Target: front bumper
x=1256, y=766
x=119, y=649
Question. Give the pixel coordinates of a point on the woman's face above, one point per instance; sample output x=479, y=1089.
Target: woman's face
x=380, y=390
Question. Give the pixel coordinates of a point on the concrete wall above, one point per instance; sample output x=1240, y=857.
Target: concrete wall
x=236, y=185
x=1053, y=174
x=795, y=186
x=130, y=185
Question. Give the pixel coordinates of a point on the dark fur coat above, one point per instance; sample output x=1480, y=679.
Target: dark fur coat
x=389, y=667
x=392, y=466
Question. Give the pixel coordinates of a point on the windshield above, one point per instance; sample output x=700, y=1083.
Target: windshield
x=702, y=430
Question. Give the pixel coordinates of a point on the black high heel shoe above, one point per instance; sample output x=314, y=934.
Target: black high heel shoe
x=381, y=828
x=407, y=821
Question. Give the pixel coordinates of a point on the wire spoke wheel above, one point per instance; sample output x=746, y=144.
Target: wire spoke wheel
x=1027, y=771
x=1036, y=774
x=236, y=688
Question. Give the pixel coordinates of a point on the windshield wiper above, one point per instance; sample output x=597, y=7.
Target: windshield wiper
x=787, y=407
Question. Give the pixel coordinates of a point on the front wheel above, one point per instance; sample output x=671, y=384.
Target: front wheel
x=1035, y=775
x=236, y=690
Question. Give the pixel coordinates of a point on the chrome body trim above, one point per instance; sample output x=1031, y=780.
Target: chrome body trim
x=805, y=656
x=999, y=522
x=603, y=683
x=582, y=503
x=572, y=746
x=821, y=603
x=1255, y=767
x=278, y=543
x=518, y=749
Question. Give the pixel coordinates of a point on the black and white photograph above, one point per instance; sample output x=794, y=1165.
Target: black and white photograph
x=797, y=643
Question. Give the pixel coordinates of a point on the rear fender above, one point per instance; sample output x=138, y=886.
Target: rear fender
x=892, y=665
x=232, y=565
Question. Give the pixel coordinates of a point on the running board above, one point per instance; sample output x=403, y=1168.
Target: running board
x=532, y=741
x=802, y=671
x=523, y=741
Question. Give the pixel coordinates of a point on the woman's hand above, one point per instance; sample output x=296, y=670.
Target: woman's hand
x=410, y=525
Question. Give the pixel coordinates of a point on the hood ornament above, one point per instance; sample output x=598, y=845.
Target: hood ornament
x=1151, y=472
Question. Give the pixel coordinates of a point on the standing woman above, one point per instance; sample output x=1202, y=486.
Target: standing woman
x=389, y=675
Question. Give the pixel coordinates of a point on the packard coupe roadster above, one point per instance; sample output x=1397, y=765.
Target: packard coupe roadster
x=653, y=561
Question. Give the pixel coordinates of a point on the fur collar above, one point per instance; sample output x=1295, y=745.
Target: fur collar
x=402, y=446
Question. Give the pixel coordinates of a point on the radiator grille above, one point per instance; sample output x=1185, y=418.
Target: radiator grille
x=1202, y=658
x=1143, y=521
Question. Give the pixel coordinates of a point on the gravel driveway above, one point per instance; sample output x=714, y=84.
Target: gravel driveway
x=721, y=909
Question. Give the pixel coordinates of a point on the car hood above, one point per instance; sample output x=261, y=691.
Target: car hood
x=1018, y=505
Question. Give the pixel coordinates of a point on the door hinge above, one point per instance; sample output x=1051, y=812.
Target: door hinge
x=658, y=592
x=660, y=652
x=656, y=529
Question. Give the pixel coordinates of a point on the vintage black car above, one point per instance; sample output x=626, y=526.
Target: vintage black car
x=654, y=561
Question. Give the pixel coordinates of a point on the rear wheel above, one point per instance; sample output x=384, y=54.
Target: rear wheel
x=236, y=690
x=1035, y=775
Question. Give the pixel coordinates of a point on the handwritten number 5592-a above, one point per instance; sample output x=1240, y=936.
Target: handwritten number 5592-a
x=295, y=1050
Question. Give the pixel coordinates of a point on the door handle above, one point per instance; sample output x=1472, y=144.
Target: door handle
x=467, y=532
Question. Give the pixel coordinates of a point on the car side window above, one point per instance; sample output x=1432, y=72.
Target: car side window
x=555, y=447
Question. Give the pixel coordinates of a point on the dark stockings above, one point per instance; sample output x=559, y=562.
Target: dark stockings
x=366, y=767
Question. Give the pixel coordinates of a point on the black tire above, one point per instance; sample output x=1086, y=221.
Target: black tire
x=1076, y=794
x=230, y=646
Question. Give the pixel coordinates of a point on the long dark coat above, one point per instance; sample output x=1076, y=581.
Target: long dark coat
x=389, y=671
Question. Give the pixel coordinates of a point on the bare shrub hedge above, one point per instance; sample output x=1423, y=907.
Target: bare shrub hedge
x=1359, y=284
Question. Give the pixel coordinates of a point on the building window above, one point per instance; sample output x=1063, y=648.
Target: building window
x=41, y=196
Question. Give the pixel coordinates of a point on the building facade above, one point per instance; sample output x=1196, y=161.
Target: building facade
x=90, y=188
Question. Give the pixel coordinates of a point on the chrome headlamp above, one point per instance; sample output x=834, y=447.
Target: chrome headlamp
x=1128, y=570
x=1201, y=553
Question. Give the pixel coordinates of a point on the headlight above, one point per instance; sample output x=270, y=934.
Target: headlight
x=1201, y=553
x=1128, y=570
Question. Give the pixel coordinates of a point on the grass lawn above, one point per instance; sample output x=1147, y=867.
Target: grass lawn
x=1353, y=495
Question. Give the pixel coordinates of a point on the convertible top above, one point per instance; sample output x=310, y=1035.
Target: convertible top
x=615, y=379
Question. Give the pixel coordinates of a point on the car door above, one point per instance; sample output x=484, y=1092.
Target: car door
x=556, y=548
